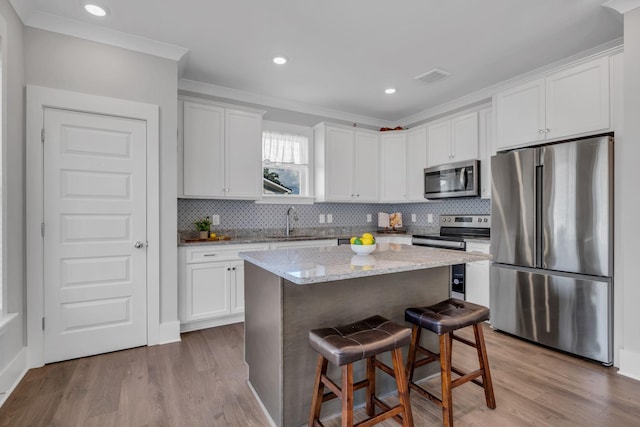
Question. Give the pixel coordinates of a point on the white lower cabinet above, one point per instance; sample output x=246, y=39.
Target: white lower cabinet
x=477, y=276
x=211, y=288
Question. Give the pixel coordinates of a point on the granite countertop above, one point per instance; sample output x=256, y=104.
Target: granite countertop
x=315, y=265
x=245, y=239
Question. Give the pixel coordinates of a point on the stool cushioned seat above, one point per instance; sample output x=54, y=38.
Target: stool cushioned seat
x=447, y=316
x=349, y=343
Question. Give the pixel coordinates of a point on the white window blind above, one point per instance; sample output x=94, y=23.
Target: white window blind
x=284, y=148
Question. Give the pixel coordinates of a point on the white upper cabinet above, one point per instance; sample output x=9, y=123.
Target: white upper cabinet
x=416, y=162
x=393, y=170
x=346, y=161
x=570, y=102
x=366, y=162
x=220, y=153
x=486, y=149
x=453, y=140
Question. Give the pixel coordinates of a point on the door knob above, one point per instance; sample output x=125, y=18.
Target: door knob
x=138, y=245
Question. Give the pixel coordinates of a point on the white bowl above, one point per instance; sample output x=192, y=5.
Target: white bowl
x=363, y=249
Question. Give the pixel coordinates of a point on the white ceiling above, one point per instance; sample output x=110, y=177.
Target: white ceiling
x=343, y=53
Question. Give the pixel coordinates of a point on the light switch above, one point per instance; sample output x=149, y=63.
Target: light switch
x=321, y=218
x=369, y=218
x=215, y=219
x=413, y=218
x=429, y=218
x=329, y=218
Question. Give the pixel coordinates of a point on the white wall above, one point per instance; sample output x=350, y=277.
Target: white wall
x=63, y=62
x=628, y=198
x=12, y=336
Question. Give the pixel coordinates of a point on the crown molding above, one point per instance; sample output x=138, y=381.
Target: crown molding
x=482, y=96
x=622, y=6
x=71, y=27
x=269, y=101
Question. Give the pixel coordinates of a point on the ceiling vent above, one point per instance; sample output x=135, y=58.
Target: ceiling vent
x=432, y=76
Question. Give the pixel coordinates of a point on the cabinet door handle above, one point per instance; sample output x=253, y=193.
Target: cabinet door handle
x=547, y=131
x=234, y=269
x=541, y=131
x=209, y=255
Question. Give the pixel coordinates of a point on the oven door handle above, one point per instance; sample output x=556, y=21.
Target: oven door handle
x=417, y=241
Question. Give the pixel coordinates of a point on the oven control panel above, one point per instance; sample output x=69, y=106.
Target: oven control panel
x=465, y=221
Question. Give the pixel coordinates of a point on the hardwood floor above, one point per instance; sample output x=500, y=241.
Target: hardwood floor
x=202, y=382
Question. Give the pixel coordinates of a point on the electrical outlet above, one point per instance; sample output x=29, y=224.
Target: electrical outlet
x=369, y=218
x=413, y=218
x=215, y=219
x=429, y=218
x=321, y=218
x=329, y=218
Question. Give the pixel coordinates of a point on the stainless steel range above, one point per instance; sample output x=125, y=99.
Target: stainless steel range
x=455, y=230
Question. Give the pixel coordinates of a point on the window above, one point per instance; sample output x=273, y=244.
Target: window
x=285, y=164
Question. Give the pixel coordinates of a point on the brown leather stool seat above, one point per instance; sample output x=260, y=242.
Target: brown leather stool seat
x=344, y=345
x=443, y=319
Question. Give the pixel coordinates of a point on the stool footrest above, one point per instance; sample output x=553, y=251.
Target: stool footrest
x=462, y=373
x=465, y=377
x=389, y=413
x=335, y=388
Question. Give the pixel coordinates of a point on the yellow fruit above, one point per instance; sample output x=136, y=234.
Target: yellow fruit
x=212, y=235
x=367, y=235
x=367, y=241
x=353, y=239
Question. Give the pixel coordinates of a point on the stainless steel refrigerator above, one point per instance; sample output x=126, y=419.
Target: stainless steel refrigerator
x=552, y=245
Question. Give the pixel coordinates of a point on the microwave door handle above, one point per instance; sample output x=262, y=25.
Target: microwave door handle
x=463, y=178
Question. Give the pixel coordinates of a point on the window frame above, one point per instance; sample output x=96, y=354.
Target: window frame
x=291, y=198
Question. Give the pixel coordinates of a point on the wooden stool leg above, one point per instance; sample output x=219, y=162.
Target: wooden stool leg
x=371, y=387
x=347, y=395
x=445, y=375
x=413, y=350
x=318, y=391
x=403, y=388
x=484, y=365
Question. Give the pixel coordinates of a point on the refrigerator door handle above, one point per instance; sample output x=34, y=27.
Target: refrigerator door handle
x=539, y=231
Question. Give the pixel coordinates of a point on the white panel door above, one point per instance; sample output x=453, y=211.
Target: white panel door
x=95, y=211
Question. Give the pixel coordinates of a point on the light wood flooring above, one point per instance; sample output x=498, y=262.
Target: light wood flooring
x=201, y=381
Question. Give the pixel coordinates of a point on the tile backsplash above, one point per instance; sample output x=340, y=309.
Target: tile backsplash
x=243, y=214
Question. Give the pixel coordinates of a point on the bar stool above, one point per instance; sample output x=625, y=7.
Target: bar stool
x=443, y=319
x=344, y=345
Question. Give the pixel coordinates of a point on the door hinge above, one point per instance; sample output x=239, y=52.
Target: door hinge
x=42, y=229
x=42, y=135
x=43, y=323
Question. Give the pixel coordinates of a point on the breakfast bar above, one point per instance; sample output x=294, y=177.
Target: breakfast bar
x=289, y=292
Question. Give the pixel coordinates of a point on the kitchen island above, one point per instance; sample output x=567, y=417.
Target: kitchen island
x=289, y=292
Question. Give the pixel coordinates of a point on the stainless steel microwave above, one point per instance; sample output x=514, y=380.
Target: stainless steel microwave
x=460, y=179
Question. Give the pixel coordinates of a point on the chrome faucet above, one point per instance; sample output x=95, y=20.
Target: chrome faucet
x=291, y=210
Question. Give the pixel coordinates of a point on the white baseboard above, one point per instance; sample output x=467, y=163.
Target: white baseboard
x=211, y=323
x=12, y=374
x=629, y=364
x=169, y=332
x=264, y=409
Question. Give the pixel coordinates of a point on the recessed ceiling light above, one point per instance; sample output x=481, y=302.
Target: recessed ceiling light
x=280, y=60
x=390, y=91
x=96, y=10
